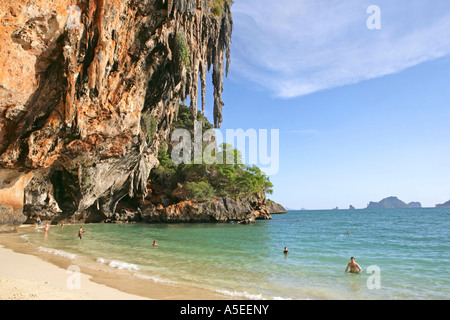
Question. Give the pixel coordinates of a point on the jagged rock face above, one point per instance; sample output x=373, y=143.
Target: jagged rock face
x=275, y=208
x=216, y=210
x=88, y=90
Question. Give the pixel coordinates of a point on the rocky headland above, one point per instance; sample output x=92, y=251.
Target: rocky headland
x=88, y=92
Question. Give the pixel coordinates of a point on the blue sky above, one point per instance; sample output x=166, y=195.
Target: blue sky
x=363, y=114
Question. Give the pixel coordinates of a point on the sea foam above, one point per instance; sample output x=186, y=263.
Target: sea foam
x=119, y=264
x=153, y=278
x=132, y=267
x=247, y=295
x=60, y=253
x=25, y=237
x=242, y=294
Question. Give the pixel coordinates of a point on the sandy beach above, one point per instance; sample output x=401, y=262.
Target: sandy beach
x=28, y=274
x=27, y=277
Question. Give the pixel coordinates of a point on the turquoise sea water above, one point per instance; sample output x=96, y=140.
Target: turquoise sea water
x=405, y=250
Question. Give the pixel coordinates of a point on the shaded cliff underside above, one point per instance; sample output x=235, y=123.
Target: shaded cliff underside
x=88, y=91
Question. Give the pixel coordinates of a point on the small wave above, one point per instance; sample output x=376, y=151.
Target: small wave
x=123, y=265
x=119, y=264
x=243, y=294
x=153, y=278
x=132, y=267
x=60, y=253
x=24, y=237
x=281, y=298
x=101, y=260
x=247, y=295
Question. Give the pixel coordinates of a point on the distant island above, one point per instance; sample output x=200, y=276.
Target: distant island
x=444, y=205
x=415, y=205
x=393, y=203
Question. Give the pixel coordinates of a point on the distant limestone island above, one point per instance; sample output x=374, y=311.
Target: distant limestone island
x=393, y=203
x=444, y=205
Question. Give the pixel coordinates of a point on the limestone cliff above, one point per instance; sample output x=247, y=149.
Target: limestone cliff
x=88, y=90
x=216, y=210
x=274, y=208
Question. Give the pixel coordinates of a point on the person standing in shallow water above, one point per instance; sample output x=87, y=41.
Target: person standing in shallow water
x=80, y=233
x=354, y=267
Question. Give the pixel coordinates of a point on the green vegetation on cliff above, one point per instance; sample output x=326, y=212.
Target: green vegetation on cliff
x=182, y=51
x=217, y=6
x=206, y=181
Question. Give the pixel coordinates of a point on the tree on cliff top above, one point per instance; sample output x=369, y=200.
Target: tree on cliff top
x=205, y=181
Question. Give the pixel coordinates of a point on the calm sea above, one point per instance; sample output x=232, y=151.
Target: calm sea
x=405, y=254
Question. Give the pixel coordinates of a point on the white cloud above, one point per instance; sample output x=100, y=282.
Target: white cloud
x=297, y=47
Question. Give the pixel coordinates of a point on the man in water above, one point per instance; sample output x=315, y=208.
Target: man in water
x=80, y=233
x=286, y=250
x=353, y=266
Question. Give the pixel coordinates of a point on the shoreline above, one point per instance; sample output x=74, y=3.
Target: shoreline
x=29, y=274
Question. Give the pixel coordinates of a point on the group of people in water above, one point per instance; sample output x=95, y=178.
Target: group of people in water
x=352, y=265
x=47, y=226
x=38, y=223
x=80, y=231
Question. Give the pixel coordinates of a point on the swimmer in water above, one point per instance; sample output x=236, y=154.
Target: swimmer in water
x=353, y=266
x=285, y=250
x=80, y=233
